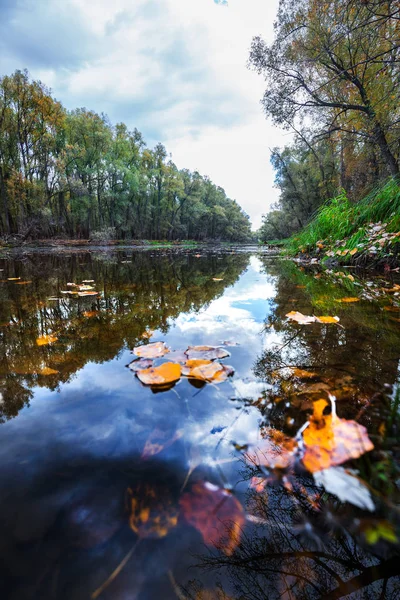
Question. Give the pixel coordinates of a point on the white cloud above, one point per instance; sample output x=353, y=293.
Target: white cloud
x=175, y=69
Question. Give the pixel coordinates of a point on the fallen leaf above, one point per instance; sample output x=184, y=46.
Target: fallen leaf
x=217, y=279
x=46, y=339
x=300, y=318
x=140, y=364
x=13, y=278
x=350, y=299
x=300, y=374
x=153, y=350
x=163, y=375
x=22, y=282
x=47, y=371
x=153, y=512
x=90, y=313
x=327, y=319
x=206, y=370
x=87, y=293
x=215, y=513
x=344, y=485
x=88, y=281
x=392, y=308
x=331, y=441
x=275, y=451
x=206, y=352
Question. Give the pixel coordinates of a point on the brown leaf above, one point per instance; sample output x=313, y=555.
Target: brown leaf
x=140, y=364
x=206, y=352
x=331, y=441
x=153, y=350
x=215, y=513
x=163, y=375
x=206, y=370
x=300, y=374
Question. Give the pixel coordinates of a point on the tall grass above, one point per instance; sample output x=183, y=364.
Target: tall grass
x=338, y=218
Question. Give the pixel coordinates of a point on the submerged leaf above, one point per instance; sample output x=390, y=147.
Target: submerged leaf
x=331, y=441
x=153, y=350
x=215, y=513
x=158, y=441
x=152, y=511
x=163, y=375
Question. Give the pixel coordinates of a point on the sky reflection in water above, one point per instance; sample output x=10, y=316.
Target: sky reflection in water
x=68, y=458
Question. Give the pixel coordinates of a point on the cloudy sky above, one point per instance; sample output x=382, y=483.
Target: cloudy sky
x=175, y=69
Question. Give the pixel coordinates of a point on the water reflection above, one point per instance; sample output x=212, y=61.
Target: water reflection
x=94, y=465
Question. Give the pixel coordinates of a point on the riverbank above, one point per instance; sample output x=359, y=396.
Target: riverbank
x=366, y=234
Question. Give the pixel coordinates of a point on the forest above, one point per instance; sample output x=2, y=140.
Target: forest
x=72, y=174
x=332, y=79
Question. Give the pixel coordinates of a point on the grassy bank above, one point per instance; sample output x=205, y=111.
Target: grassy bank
x=368, y=231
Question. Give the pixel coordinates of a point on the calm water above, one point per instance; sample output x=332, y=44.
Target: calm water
x=94, y=465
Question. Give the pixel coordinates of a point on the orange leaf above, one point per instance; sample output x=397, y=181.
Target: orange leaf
x=163, y=375
x=350, y=299
x=331, y=441
x=46, y=339
x=207, y=370
x=154, y=350
x=47, y=371
x=327, y=319
x=300, y=374
x=215, y=513
x=354, y=251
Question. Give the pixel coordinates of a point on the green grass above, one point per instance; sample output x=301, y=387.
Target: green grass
x=338, y=218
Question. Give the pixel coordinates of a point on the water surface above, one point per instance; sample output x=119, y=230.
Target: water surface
x=80, y=436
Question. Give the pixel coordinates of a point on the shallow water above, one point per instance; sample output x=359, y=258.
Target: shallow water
x=79, y=442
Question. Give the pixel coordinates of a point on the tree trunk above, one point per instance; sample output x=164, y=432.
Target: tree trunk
x=387, y=155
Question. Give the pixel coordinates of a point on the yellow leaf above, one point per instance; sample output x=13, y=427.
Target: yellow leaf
x=46, y=339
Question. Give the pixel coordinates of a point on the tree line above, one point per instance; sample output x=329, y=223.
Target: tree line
x=73, y=174
x=332, y=78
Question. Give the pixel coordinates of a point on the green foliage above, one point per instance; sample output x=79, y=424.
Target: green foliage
x=75, y=174
x=338, y=218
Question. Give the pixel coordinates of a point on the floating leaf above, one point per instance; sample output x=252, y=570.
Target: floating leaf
x=217, y=279
x=206, y=370
x=90, y=313
x=87, y=293
x=153, y=350
x=353, y=252
x=392, y=308
x=47, y=371
x=88, y=281
x=152, y=510
x=344, y=485
x=294, y=315
x=163, y=375
x=331, y=441
x=206, y=352
x=22, y=282
x=300, y=374
x=276, y=450
x=13, y=278
x=215, y=513
x=46, y=339
x=140, y=364
x=350, y=299
x=327, y=319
